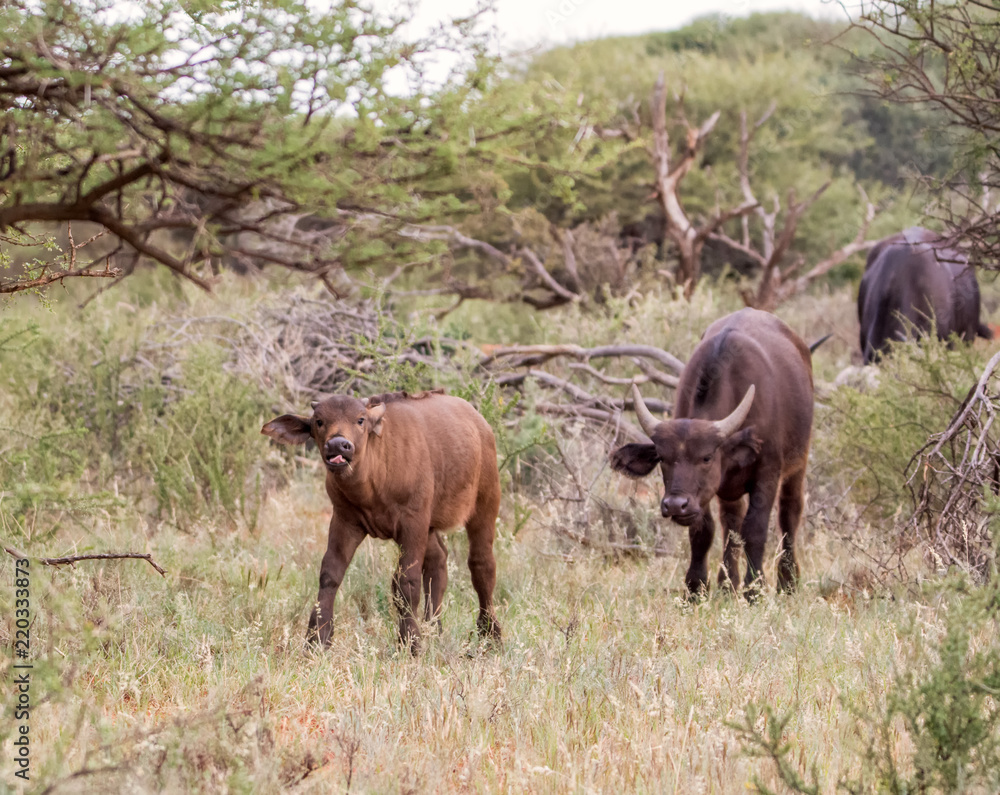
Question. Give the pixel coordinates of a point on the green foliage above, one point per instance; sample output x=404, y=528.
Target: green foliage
x=40, y=459
x=875, y=431
x=769, y=742
x=820, y=131
x=516, y=435
x=144, y=123
x=950, y=707
x=100, y=411
x=202, y=451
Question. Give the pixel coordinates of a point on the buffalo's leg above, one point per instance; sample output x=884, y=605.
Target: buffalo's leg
x=700, y=534
x=435, y=577
x=406, y=581
x=482, y=565
x=341, y=545
x=731, y=514
x=754, y=532
x=789, y=515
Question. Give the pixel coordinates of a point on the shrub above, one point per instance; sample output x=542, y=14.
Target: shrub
x=871, y=436
x=103, y=406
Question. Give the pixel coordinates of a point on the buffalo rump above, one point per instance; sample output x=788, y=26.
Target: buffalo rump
x=913, y=280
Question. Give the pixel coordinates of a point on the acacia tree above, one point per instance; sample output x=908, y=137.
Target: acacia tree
x=264, y=132
x=946, y=57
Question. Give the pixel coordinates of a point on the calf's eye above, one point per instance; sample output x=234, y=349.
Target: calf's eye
x=361, y=421
x=706, y=459
x=319, y=423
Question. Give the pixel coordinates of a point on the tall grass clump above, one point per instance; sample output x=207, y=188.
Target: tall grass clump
x=202, y=450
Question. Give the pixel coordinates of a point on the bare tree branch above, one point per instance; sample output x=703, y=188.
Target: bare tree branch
x=606, y=419
x=546, y=277
x=687, y=237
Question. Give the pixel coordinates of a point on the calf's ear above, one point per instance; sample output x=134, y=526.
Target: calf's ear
x=742, y=448
x=375, y=417
x=288, y=429
x=635, y=460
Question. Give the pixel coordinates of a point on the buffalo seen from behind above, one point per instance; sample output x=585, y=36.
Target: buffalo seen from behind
x=407, y=468
x=913, y=281
x=742, y=425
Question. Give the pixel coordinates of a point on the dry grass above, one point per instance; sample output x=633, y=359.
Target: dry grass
x=608, y=679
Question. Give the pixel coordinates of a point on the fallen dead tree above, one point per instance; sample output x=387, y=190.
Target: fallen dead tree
x=523, y=363
x=955, y=484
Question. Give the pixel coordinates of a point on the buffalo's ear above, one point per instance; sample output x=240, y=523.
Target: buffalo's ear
x=635, y=460
x=741, y=449
x=288, y=429
x=376, y=415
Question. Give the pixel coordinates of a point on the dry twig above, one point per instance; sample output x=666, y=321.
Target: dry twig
x=71, y=559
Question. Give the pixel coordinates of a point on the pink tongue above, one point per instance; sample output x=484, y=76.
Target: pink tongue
x=338, y=460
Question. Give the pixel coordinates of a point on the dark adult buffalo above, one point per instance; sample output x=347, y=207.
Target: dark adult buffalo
x=913, y=281
x=405, y=467
x=742, y=423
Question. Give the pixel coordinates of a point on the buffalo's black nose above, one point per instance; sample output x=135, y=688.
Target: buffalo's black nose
x=338, y=445
x=675, y=505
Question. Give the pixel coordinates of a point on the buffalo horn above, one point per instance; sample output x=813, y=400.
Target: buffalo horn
x=314, y=404
x=646, y=420
x=728, y=425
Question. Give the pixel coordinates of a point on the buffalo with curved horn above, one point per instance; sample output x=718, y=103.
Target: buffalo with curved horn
x=740, y=432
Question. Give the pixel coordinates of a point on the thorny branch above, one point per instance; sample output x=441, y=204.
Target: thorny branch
x=954, y=482
x=36, y=278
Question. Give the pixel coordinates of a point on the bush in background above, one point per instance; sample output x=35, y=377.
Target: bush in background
x=865, y=443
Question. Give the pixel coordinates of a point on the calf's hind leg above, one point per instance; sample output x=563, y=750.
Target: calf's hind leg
x=482, y=564
x=754, y=532
x=435, y=577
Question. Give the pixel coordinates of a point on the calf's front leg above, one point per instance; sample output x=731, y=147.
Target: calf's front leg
x=341, y=545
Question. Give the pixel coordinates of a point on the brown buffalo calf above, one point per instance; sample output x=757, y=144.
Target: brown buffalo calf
x=405, y=467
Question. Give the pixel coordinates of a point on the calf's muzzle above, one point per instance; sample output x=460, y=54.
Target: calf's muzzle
x=337, y=452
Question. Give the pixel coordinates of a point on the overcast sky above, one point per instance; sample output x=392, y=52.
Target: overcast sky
x=527, y=23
